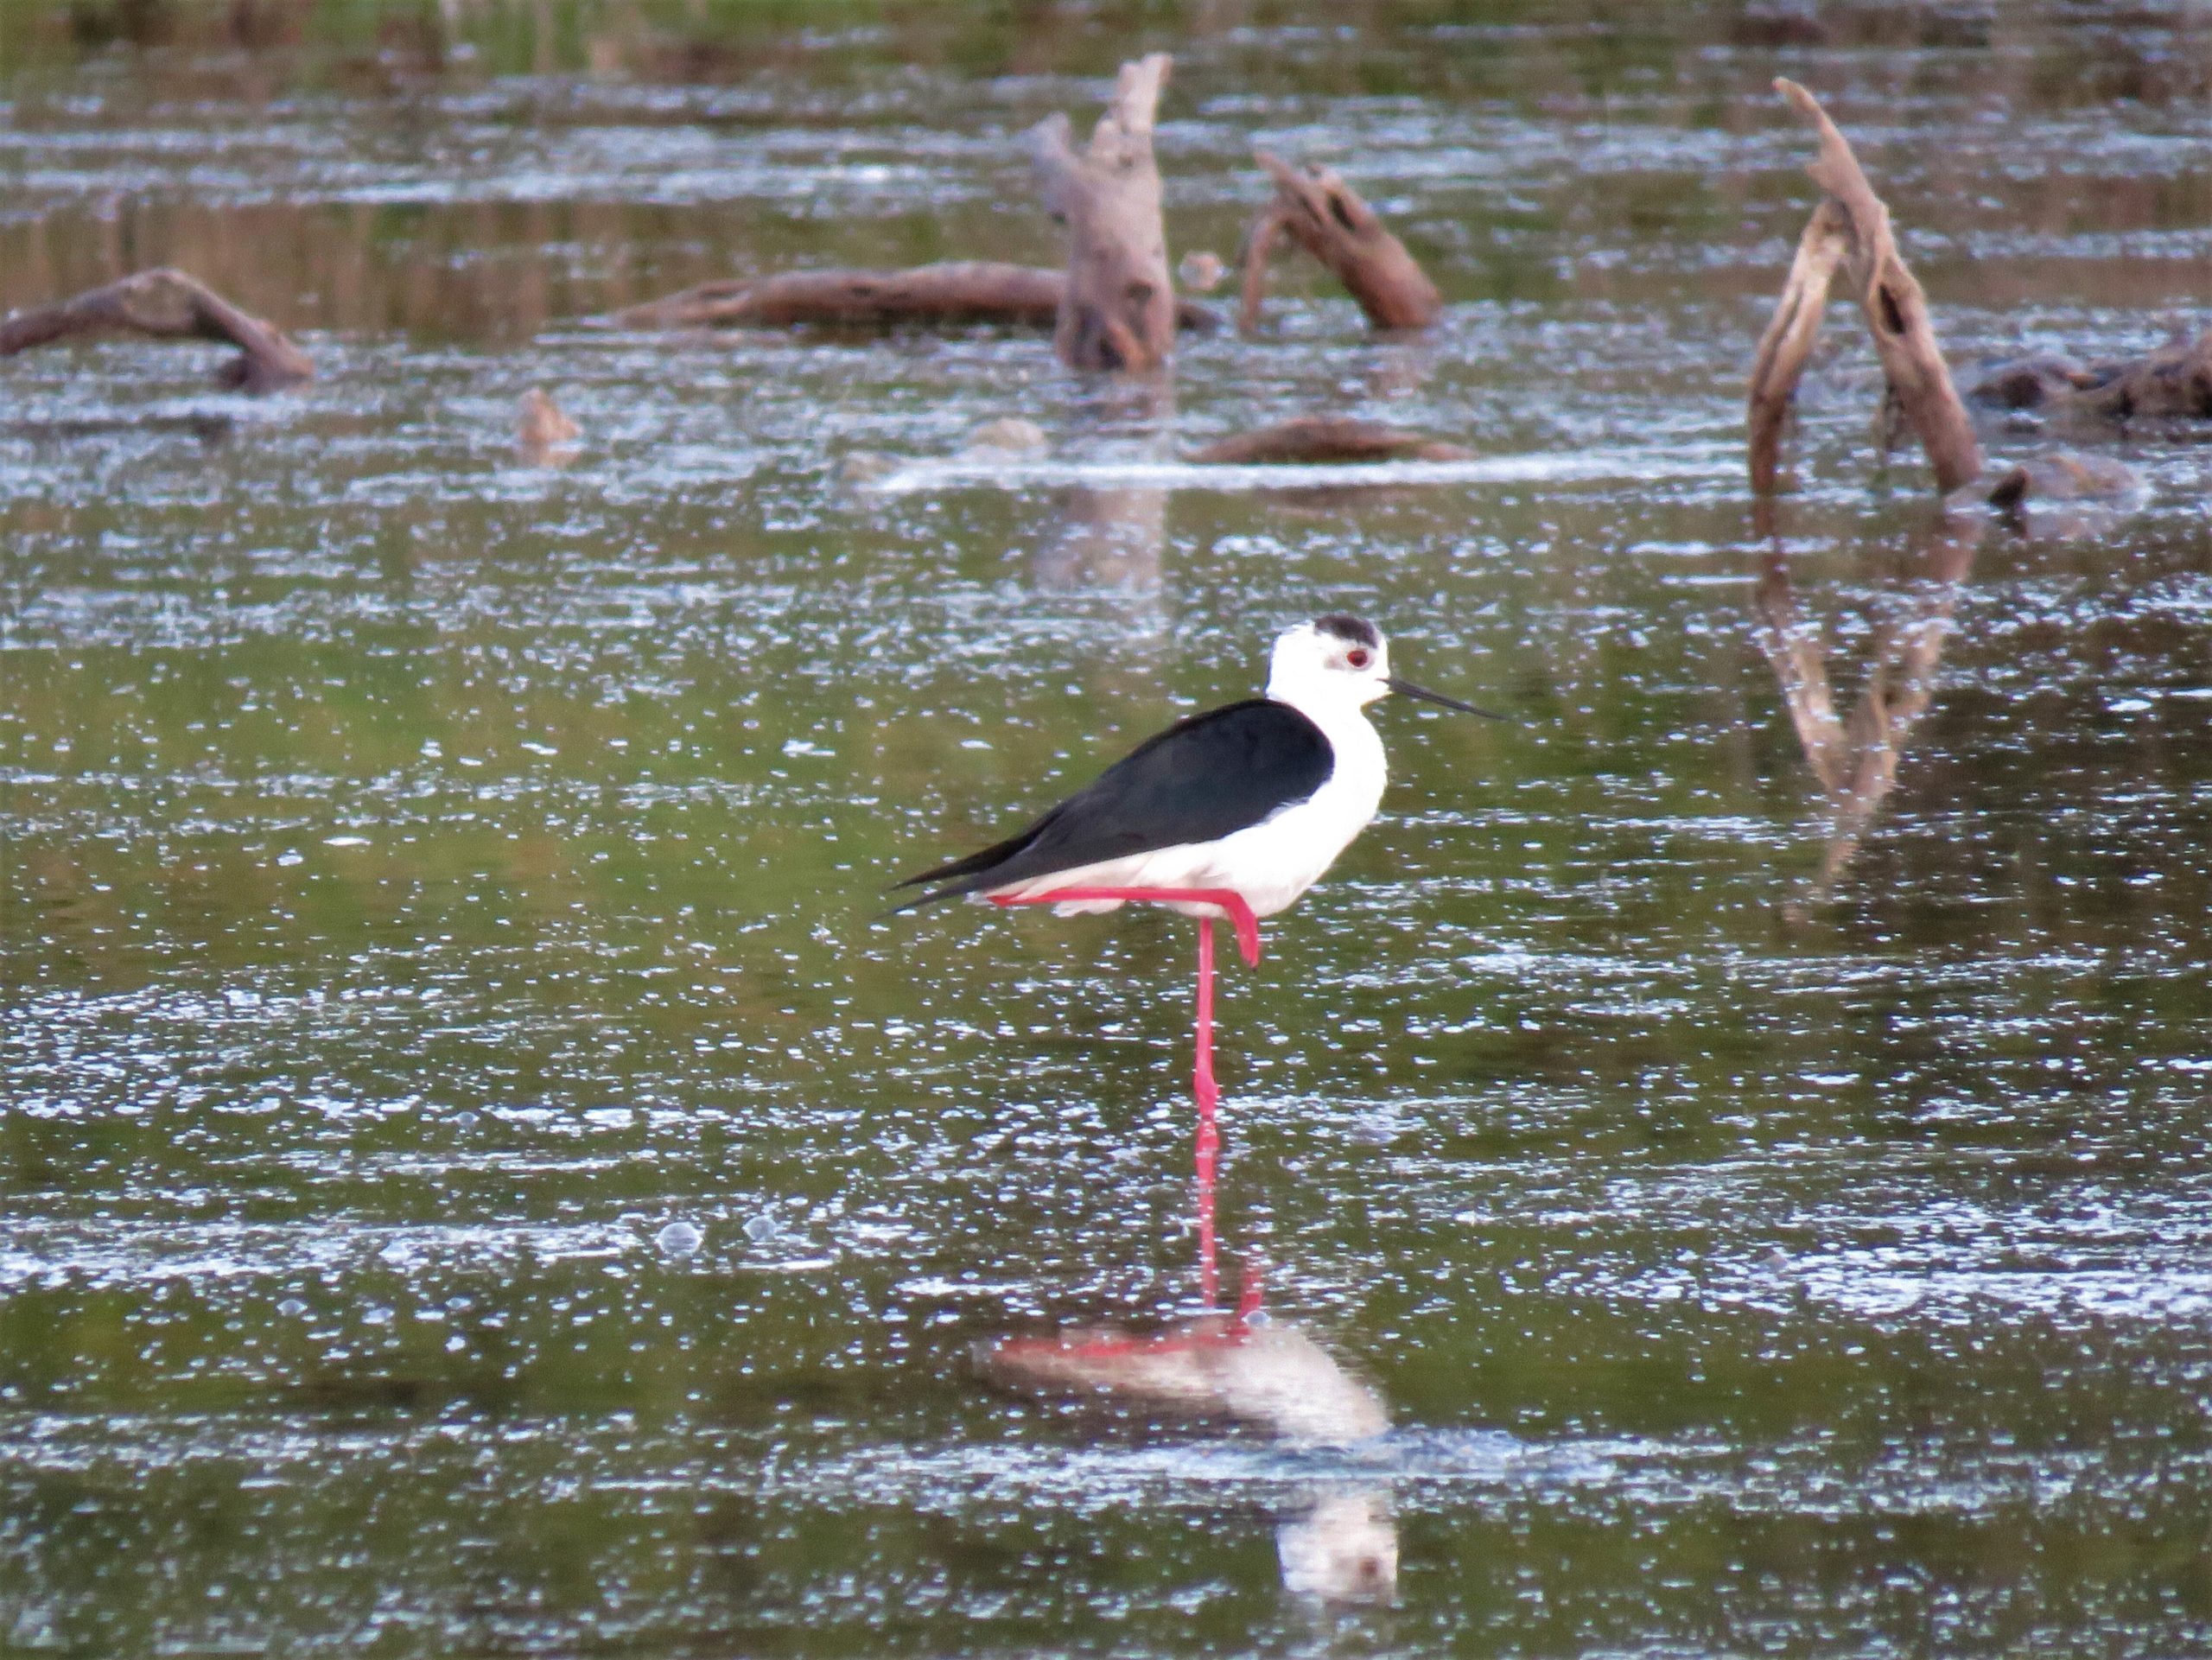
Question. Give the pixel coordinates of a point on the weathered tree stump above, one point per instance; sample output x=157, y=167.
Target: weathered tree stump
x=1851, y=227
x=167, y=304
x=948, y=295
x=1117, y=310
x=1325, y=216
x=1313, y=440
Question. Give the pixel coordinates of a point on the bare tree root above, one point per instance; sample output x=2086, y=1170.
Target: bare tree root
x=1897, y=316
x=167, y=304
x=1117, y=310
x=1314, y=439
x=1325, y=216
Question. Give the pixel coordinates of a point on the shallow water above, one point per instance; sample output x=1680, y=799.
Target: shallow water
x=1771, y=1223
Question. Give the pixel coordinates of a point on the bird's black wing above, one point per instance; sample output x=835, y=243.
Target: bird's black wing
x=1197, y=781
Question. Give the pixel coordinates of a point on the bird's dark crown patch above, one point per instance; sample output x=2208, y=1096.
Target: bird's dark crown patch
x=1350, y=630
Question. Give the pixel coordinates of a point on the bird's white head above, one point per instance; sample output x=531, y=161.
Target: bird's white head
x=1330, y=663
x=1334, y=664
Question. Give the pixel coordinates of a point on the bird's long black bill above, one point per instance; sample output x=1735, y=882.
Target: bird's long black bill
x=1407, y=688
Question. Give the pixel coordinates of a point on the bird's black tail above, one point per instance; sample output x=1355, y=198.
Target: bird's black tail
x=964, y=876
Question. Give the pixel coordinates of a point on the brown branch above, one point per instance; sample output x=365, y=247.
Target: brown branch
x=167, y=304
x=1789, y=337
x=1897, y=310
x=1327, y=217
x=1312, y=439
x=1259, y=243
x=1117, y=310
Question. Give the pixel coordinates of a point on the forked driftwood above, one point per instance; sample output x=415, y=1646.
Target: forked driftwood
x=1855, y=757
x=167, y=304
x=1851, y=227
x=1325, y=216
x=963, y=291
x=1117, y=310
x=1314, y=439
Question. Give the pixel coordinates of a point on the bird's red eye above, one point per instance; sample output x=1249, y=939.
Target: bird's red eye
x=1358, y=657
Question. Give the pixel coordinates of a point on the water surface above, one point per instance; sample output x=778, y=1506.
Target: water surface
x=479, y=1176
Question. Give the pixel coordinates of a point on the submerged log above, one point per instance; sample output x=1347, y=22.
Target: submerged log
x=2173, y=383
x=1117, y=310
x=167, y=304
x=1325, y=216
x=1312, y=439
x=2062, y=475
x=1852, y=227
x=954, y=293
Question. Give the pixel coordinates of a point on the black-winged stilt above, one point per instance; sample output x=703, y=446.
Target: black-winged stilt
x=1231, y=813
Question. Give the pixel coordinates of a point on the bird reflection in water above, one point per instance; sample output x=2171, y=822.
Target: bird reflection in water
x=1340, y=1546
x=1855, y=756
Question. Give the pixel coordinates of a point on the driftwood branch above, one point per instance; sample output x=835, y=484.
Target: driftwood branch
x=1314, y=439
x=1791, y=335
x=1897, y=316
x=1325, y=216
x=1117, y=310
x=968, y=292
x=167, y=304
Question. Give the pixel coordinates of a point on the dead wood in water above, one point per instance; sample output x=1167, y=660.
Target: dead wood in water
x=544, y=433
x=1791, y=335
x=1852, y=227
x=2062, y=475
x=1117, y=310
x=947, y=295
x=1325, y=216
x=1313, y=440
x=167, y=304
x=2173, y=383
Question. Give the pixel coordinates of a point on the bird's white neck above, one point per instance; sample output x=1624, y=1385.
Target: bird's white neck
x=1343, y=721
x=1328, y=700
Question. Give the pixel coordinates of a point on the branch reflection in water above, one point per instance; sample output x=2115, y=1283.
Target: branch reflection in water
x=1341, y=1544
x=1110, y=539
x=1855, y=757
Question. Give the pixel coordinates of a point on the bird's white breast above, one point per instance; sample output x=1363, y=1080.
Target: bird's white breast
x=1277, y=860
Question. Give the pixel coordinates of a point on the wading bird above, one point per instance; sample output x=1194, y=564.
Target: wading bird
x=1232, y=813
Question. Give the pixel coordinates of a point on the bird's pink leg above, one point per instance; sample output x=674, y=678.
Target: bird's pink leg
x=1209, y=1269
x=1203, y=1086
x=1254, y=1292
